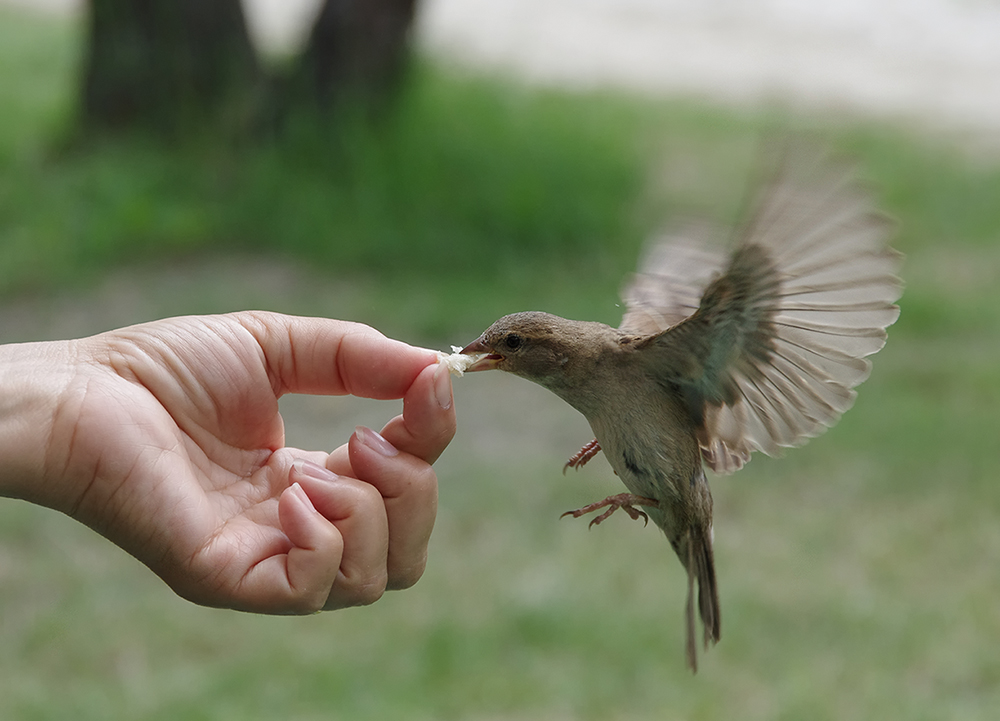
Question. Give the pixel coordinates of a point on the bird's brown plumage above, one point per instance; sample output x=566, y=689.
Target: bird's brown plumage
x=718, y=356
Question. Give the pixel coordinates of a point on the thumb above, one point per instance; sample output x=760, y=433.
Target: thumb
x=323, y=356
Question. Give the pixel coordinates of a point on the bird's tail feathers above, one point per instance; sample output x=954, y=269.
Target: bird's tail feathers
x=700, y=563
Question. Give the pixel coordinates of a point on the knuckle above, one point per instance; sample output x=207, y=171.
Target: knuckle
x=422, y=483
x=309, y=603
x=367, y=496
x=370, y=591
x=407, y=577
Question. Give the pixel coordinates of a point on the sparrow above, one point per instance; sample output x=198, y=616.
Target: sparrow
x=719, y=354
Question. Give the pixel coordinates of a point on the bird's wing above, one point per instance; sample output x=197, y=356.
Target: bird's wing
x=673, y=275
x=780, y=338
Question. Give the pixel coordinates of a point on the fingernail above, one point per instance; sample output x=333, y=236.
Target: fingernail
x=442, y=386
x=375, y=441
x=312, y=470
x=300, y=493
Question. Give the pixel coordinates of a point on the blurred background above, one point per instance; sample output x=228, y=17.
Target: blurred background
x=426, y=167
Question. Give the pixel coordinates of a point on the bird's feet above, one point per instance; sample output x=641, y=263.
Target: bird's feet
x=588, y=451
x=625, y=501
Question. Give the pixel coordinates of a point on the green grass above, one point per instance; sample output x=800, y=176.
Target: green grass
x=463, y=178
x=859, y=574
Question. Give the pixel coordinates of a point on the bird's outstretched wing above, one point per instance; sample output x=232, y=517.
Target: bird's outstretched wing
x=673, y=274
x=780, y=337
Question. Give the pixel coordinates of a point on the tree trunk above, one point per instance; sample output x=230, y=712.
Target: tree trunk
x=165, y=64
x=357, y=49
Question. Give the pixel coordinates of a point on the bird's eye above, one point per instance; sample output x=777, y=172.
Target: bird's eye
x=513, y=341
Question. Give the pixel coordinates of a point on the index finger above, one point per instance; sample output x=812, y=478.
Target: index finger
x=427, y=424
x=322, y=356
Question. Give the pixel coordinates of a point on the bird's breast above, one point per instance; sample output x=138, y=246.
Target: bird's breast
x=650, y=444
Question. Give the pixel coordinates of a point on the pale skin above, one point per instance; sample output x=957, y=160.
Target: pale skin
x=166, y=438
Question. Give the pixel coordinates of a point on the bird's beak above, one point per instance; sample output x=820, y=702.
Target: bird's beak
x=487, y=361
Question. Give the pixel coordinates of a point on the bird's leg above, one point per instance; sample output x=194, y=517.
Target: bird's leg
x=588, y=451
x=626, y=501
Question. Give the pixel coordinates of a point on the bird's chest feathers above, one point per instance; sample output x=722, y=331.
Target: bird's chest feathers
x=644, y=428
x=638, y=455
x=648, y=439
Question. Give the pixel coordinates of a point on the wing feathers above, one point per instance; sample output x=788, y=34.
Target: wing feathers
x=781, y=335
x=674, y=273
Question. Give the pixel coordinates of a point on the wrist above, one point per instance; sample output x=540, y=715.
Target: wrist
x=33, y=378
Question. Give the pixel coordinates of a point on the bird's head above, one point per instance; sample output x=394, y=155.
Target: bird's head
x=540, y=347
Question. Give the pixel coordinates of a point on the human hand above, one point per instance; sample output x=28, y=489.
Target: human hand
x=166, y=438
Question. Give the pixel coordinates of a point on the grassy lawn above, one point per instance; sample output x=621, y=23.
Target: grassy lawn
x=860, y=575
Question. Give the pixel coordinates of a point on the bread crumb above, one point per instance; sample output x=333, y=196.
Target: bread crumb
x=457, y=362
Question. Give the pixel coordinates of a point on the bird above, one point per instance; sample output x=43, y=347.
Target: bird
x=721, y=352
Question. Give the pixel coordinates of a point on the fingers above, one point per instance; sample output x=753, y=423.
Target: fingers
x=428, y=422
x=311, y=565
x=331, y=357
x=355, y=510
x=359, y=523
x=339, y=541
x=397, y=463
x=324, y=356
x=408, y=488
x=334, y=552
x=354, y=538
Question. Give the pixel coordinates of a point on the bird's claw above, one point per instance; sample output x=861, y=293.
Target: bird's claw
x=581, y=457
x=634, y=513
x=626, y=501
